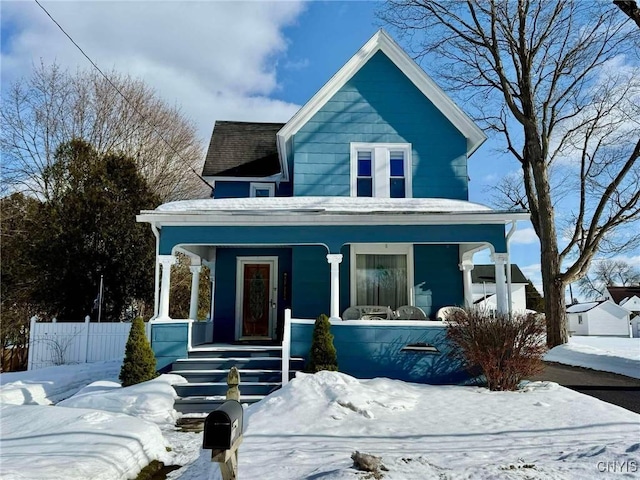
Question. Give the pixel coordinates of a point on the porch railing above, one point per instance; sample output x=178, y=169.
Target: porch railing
x=286, y=346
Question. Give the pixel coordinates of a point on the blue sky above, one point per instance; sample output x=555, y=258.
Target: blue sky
x=224, y=61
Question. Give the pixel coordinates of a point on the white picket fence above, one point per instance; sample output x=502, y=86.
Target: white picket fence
x=64, y=343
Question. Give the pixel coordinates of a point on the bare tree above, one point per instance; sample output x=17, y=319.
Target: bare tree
x=550, y=79
x=54, y=106
x=630, y=8
x=605, y=273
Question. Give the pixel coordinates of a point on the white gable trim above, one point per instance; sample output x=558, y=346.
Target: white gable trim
x=381, y=41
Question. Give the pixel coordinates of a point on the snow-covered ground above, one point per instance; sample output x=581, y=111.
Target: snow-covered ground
x=52, y=384
x=609, y=354
x=309, y=428
x=102, y=431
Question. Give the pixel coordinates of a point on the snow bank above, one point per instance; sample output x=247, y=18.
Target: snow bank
x=152, y=400
x=41, y=442
x=52, y=384
x=309, y=429
x=608, y=354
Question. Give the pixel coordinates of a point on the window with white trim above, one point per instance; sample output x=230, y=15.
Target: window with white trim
x=381, y=170
x=262, y=189
x=382, y=275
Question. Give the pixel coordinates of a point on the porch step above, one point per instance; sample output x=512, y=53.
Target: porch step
x=220, y=376
x=202, y=405
x=225, y=363
x=207, y=367
x=208, y=389
x=226, y=351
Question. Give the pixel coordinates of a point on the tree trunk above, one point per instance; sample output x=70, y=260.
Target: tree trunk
x=555, y=311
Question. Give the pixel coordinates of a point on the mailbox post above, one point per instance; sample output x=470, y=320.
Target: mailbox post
x=223, y=435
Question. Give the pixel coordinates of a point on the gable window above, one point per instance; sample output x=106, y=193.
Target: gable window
x=580, y=319
x=381, y=170
x=383, y=275
x=262, y=189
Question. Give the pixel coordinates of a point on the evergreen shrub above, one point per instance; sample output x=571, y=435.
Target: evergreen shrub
x=323, y=354
x=139, y=361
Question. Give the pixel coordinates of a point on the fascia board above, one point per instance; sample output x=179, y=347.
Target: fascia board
x=271, y=178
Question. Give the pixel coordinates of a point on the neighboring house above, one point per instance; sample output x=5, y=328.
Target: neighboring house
x=629, y=299
x=483, y=278
x=602, y=318
x=361, y=199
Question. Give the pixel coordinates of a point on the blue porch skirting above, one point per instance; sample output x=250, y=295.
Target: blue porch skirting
x=369, y=349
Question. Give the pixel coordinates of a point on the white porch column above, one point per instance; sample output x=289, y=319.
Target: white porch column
x=195, y=291
x=166, y=261
x=466, y=266
x=500, y=259
x=334, y=260
x=212, y=278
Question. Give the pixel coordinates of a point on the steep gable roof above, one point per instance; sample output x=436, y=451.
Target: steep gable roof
x=242, y=149
x=620, y=293
x=381, y=41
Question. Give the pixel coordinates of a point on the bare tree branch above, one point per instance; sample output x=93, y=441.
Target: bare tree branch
x=558, y=84
x=54, y=106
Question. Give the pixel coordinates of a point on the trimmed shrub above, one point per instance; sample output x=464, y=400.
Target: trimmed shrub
x=506, y=350
x=139, y=361
x=322, y=355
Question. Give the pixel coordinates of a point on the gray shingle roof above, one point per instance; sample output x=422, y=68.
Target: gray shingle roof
x=487, y=273
x=242, y=149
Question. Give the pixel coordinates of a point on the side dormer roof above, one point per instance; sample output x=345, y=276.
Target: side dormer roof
x=381, y=41
x=242, y=149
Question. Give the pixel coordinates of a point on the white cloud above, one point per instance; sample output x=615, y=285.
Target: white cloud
x=215, y=59
x=525, y=236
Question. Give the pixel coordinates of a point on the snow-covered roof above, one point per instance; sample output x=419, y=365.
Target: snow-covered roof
x=335, y=205
x=582, y=307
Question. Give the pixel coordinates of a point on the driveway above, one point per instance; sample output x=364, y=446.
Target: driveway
x=609, y=387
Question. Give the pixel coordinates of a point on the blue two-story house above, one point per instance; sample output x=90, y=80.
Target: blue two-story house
x=357, y=207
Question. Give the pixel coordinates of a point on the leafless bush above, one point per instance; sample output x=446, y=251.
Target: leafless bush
x=506, y=350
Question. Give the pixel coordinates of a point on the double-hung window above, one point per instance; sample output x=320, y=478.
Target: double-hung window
x=381, y=170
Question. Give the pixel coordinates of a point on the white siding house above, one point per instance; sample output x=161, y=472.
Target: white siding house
x=483, y=288
x=603, y=318
x=628, y=298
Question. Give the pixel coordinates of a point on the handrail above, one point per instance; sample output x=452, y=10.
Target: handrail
x=286, y=346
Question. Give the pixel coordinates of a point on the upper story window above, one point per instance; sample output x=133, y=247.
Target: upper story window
x=381, y=170
x=262, y=189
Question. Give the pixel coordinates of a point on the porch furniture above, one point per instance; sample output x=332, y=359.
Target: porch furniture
x=409, y=312
x=368, y=312
x=446, y=313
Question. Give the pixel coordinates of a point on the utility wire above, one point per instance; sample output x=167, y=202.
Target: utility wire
x=155, y=129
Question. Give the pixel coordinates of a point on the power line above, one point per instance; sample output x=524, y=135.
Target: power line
x=155, y=130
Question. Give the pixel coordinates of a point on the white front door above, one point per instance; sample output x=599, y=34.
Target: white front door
x=256, y=297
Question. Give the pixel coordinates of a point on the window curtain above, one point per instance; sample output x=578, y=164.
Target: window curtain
x=381, y=280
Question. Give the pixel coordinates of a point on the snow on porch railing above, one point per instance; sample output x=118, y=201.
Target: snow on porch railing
x=63, y=343
x=286, y=346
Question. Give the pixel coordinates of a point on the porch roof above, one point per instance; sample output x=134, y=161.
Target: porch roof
x=328, y=210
